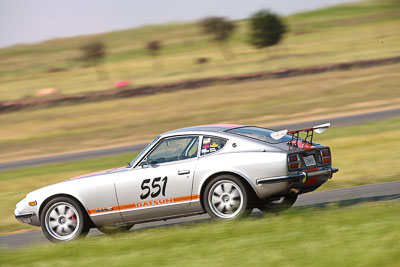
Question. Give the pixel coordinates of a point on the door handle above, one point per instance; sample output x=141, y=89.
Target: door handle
x=183, y=172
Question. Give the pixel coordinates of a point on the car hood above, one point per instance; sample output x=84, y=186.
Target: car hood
x=109, y=171
x=61, y=188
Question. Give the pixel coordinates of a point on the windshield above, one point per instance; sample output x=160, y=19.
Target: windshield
x=141, y=153
x=260, y=134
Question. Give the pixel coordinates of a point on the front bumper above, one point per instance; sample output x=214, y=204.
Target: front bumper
x=302, y=176
x=24, y=217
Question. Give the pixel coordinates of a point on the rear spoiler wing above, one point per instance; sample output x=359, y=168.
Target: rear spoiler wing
x=295, y=134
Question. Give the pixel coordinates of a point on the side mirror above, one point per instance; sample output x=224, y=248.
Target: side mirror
x=144, y=162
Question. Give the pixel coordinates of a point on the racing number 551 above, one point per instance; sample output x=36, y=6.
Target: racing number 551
x=157, y=188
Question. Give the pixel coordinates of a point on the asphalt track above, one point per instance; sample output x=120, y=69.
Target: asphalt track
x=335, y=121
x=347, y=196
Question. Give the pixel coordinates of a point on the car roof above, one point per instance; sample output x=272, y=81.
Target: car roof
x=206, y=128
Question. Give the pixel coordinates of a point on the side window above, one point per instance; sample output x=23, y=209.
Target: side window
x=173, y=149
x=211, y=144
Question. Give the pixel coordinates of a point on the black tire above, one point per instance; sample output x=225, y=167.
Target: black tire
x=62, y=219
x=278, y=204
x=226, y=197
x=112, y=230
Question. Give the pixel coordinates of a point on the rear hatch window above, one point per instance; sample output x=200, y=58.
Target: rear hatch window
x=260, y=134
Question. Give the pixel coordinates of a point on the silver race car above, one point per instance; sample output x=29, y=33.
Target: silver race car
x=224, y=170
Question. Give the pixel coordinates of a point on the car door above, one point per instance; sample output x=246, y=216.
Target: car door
x=162, y=183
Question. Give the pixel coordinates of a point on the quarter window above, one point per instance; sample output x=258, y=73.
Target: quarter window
x=173, y=149
x=212, y=144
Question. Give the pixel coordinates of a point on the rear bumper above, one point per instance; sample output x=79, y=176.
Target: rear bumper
x=328, y=171
x=298, y=176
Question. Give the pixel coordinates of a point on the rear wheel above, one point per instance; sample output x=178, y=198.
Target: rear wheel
x=111, y=230
x=226, y=197
x=278, y=204
x=63, y=219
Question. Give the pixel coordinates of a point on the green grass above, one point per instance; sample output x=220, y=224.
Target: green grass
x=354, y=31
x=365, y=235
x=32, y=133
x=365, y=154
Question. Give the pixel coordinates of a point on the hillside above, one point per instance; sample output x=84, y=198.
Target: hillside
x=355, y=31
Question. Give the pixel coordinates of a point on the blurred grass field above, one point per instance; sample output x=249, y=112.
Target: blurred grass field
x=362, y=235
x=361, y=152
x=353, y=31
x=367, y=153
x=31, y=133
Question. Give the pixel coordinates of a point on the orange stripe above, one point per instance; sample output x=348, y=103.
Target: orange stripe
x=142, y=204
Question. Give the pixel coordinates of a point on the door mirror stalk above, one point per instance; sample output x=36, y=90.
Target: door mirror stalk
x=144, y=163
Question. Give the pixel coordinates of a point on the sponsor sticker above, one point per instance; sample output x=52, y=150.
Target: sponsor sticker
x=214, y=144
x=154, y=202
x=205, y=150
x=104, y=209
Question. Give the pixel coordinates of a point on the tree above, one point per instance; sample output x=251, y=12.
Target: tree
x=154, y=48
x=93, y=54
x=267, y=29
x=221, y=29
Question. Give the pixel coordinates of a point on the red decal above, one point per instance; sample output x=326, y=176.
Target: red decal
x=230, y=126
x=311, y=181
x=302, y=144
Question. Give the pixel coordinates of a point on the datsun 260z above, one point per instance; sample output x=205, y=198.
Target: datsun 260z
x=224, y=170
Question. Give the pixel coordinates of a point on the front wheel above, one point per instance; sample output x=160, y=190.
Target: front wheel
x=226, y=197
x=278, y=204
x=112, y=230
x=63, y=219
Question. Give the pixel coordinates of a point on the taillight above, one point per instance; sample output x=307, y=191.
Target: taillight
x=293, y=165
x=294, y=162
x=293, y=158
x=326, y=156
x=326, y=160
x=325, y=153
